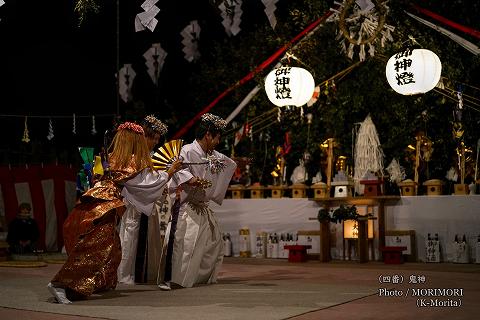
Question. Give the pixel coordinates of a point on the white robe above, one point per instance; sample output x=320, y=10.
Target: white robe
x=198, y=245
x=140, y=194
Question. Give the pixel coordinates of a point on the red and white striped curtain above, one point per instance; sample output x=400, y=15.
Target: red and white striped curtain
x=51, y=191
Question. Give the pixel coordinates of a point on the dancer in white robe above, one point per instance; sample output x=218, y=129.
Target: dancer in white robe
x=195, y=247
x=130, y=224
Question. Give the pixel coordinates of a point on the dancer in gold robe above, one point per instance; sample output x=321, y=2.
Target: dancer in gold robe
x=91, y=239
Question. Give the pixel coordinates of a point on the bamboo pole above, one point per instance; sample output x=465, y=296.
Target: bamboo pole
x=417, y=160
x=329, y=164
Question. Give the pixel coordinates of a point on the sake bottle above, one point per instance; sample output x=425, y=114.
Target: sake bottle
x=269, y=246
x=228, y=246
x=275, y=246
x=259, y=245
x=477, y=251
x=245, y=243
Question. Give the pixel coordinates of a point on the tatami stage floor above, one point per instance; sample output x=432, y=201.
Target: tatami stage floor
x=265, y=289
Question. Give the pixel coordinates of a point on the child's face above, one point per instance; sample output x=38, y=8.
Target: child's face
x=24, y=212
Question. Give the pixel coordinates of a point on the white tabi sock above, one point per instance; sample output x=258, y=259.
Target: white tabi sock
x=59, y=294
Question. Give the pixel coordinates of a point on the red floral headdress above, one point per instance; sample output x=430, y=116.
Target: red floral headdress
x=131, y=126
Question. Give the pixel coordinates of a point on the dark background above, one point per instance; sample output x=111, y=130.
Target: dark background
x=52, y=67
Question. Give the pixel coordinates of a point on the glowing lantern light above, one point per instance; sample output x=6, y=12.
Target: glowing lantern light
x=350, y=229
x=289, y=86
x=413, y=71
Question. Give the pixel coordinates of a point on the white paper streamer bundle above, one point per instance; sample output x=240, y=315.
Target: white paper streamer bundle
x=368, y=152
x=396, y=172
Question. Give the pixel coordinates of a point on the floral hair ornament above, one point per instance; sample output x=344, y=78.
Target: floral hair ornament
x=214, y=120
x=131, y=126
x=155, y=124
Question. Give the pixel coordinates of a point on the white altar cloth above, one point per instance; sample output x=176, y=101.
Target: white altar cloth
x=445, y=215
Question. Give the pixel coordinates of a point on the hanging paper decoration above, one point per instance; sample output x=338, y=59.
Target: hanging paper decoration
x=364, y=26
x=25, y=137
x=191, y=35
x=413, y=71
x=2, y=3
x=94, y=130
x=50, y=130
x=155, y=57
x=289, y=86
x=460, y=101
x=245, y=130
x=74, y=129
x=287, y=146
x=125, y=82
x=368, y=153
x=458, y=131
x=395, y=171
x=270, y=7
x=147, y=19
x=314, y=98
x=457, y=114
x=304, y=34
x=231, y=13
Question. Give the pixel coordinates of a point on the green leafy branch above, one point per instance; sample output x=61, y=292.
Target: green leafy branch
x=84, y=7
x=340, y=214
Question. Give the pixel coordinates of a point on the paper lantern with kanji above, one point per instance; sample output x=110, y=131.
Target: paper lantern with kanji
x=289, y=86
x=413, y=71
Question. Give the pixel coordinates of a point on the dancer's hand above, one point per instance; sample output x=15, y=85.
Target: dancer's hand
x=193, y=181
x=176, y=165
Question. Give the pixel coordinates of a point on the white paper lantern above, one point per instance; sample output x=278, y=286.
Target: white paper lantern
x=289, y=86
x=413, y=71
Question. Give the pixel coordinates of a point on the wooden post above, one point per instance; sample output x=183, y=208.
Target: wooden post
x=462, y=162
x=381, y=225
x=325, y=241
x=363, y=240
